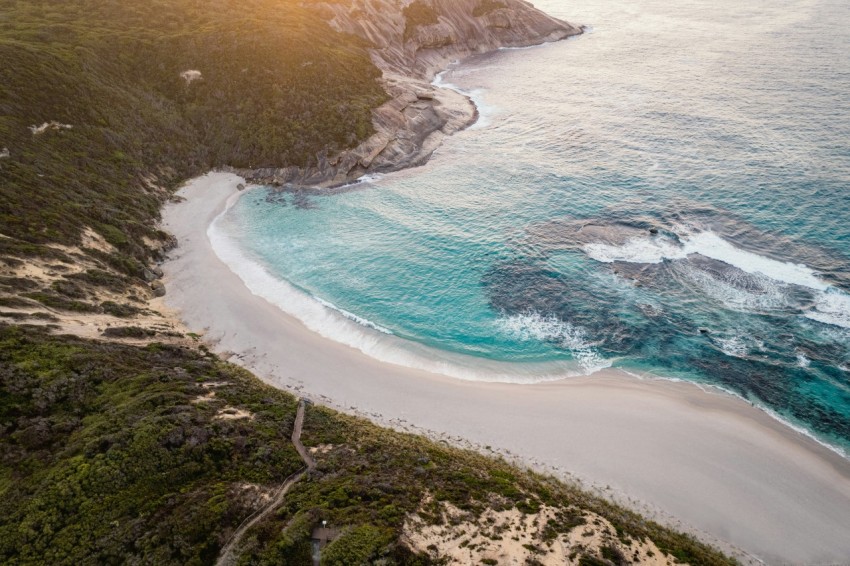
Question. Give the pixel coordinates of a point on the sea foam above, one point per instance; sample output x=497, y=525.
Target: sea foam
x=374, y=340
x=535, y=326
x=832, y=306
x=711, y=245
x=708, y=244
x=485, y=111
x=636, y=250
x=735, y=347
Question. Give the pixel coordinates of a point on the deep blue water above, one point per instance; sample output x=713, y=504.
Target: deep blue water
x=669, y=193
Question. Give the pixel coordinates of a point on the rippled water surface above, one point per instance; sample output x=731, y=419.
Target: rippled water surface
x=668, y=193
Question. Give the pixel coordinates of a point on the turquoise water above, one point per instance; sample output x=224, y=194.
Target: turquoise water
x=669, y=193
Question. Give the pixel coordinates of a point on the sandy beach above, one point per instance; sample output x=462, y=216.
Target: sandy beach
x=711, y=461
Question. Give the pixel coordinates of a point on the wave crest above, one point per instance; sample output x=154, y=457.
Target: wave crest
x=636, y=250
x=756, y=283
x=549, y=328
x=831, y=307
x=375, y=341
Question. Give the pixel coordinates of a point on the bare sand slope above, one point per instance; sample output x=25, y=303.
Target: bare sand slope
x=710, y=460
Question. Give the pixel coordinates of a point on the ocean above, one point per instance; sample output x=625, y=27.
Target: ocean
x=668, y=194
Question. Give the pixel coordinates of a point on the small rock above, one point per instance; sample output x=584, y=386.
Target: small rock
x=191, y=75
x=158, y=288
x=5, y=153
x=653, y=230
x=704, y=331
x=169, y=244
x=157, y=270
x=52, y=125
x=148, y=275
x=240, y=187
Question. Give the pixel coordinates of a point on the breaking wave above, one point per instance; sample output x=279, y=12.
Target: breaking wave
x=707, y=244
x=376, y=341
x=548, y=328
x=831, y=307
x=757, y=282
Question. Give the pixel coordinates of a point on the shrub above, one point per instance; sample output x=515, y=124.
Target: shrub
x=486, y=6
x=416, y=14
x=356, y=546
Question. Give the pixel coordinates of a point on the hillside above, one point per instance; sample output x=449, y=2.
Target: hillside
x=155, y=92
x=115, y=453
x=124, y=440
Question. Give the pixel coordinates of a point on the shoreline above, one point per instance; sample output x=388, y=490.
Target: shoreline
x=381, y=344
x=721, y=467
x=411, y=125
x=336, y=324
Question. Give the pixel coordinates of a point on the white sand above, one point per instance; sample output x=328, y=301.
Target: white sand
x=711, y=460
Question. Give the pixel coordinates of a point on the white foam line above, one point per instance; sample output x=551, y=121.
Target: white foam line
x=373, y=340
x=711, y=245
x=365, y=178
x=832, y=306
x=351, y=316
x=636, y=250
x=476, y=96
x=802, y=430
x=333, y=324
x=534, y=326
x=713, y=389
x=708, y=244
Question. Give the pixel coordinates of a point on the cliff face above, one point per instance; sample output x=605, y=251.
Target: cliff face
x=411, y=42
x=418, y=38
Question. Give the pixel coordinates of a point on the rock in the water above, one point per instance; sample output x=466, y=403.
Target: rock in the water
x=240, y=187
x=158, y=288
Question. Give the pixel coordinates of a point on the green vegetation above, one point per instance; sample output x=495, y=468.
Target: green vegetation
x=277, y=86
x=111, y=453
x=418, y=13
x=114, y=453
x=107, y=455
x=487, y=6
x=357, y=546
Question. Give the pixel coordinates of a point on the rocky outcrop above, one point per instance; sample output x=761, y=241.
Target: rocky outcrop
x=408, y=129
x=158, y=288
x=422, y=50
x=191, y=75
x=410, y=51
x=52, y=125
